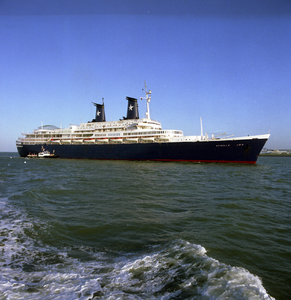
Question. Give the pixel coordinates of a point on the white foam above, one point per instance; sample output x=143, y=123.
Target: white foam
x=225, y=282
x=167, y=272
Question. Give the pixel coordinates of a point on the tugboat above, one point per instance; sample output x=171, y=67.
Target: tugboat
x=132, y=138
x=46, y=154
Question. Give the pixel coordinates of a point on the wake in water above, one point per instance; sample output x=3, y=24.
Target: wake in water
x=179, y=270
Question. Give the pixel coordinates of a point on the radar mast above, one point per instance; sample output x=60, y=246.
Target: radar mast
x=148, y=98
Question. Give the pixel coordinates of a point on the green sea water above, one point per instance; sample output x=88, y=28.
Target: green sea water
x=89, y=229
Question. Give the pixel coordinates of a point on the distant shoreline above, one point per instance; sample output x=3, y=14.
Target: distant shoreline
x=275, y=155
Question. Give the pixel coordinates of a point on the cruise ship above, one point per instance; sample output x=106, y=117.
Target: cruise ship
x=132, y=138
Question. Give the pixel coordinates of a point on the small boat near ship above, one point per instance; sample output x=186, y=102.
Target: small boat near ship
x=134, y=138
x=46, y=154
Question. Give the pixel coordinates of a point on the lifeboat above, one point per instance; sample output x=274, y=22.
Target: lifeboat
x=77, y=141
x=55, y=141
x=89, y=140
x=162, y=139
x=102, y=140
x=131, y=140
x=116, y=140
x=147, y=139
x=65, y=141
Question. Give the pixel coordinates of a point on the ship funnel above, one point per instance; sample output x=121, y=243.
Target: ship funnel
x=100, y=113
x=132, y=109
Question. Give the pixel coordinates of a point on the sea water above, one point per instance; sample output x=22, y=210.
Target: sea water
x=89, y=229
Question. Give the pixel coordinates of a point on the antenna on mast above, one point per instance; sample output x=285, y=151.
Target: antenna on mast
x=201, y=127
x=148, y=98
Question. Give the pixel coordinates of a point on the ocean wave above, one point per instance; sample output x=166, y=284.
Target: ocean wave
x=178, y=270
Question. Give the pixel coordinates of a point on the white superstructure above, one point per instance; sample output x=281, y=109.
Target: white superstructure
x=129, y=130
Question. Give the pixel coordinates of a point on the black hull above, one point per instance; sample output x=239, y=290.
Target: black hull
x=224, y=151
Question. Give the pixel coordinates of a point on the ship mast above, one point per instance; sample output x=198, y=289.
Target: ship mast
x=148, y=98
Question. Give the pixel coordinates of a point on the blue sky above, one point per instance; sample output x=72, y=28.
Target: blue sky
x=228, y=62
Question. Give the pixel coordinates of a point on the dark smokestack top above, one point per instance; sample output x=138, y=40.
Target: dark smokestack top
x=100, y=113
x=132, y=108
